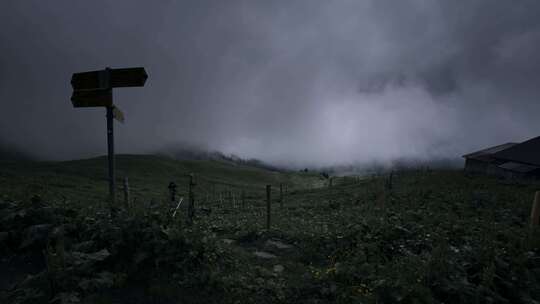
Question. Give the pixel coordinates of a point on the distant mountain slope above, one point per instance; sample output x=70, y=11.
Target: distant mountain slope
x=8, y=152
x=86, y=180
x=194, y=153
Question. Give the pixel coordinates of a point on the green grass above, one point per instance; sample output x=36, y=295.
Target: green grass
x=84, y=182
x=434, y=237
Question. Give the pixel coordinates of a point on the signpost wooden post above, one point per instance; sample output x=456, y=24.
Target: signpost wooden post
x=110, y=157
x=94, y=89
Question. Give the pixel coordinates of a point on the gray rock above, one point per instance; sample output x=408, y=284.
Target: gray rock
x=264, y=255
x=228, y=241
x=279, y=268
x=278, y=244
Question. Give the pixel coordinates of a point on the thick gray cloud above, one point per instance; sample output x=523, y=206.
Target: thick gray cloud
x=301, y=82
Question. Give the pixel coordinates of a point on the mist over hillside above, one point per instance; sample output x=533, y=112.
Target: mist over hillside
x=404, y=164
x=10, y=152
x=188, y=151
x=191, y=152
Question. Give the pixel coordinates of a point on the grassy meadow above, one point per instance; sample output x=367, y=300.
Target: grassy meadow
x=428, y=236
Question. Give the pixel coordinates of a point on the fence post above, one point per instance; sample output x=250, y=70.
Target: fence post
x=191, y=206
x=172, y=191
x=268, y=198
x=126, y=193
x=389, y=182
x=243, y=199
x=220, y=200
x=133, y=206
x=535, y=210
x=281, y=195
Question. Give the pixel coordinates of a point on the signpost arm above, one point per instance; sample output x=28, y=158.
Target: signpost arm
x=110, y=156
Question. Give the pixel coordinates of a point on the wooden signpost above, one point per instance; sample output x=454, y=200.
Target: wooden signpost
x=94, y=89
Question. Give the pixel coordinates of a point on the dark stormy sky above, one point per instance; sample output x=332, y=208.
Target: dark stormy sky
x=301, y=82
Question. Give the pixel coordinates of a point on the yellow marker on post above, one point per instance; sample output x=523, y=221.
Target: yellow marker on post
x=118, y=115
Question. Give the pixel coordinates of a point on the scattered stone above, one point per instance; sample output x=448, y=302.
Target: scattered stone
x=228, y=241
x=279, y=268
x=278, y=244
x=402, y=229
x=264, y=255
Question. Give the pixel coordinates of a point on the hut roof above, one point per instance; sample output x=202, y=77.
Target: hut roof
x=487, y=154
x=527, y=152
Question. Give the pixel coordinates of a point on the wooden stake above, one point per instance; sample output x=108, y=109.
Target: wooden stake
x=177, y=206
x=220, y=200
x=191, y=206
x=172, y=191
x=133, y=206
x=535, y=210
x=268, y=198
x=243, y=199
x=126, y=193
x=281, y=195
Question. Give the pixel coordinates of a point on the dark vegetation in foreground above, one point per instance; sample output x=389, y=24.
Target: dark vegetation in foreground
x=432, y=237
